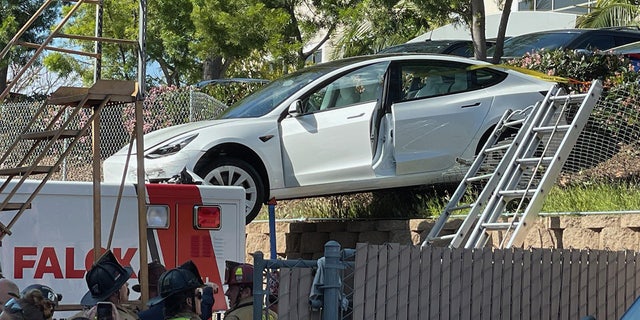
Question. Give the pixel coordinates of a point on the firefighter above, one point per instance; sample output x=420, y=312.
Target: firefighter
x=8, y=290
x=239, y=279
x=156, y=269
x=50, y=298
x=31, y=306
x=107, y=282
x=178, y=291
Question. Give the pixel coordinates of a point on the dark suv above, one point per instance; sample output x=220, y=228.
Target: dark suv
x=589, y=39
x=463, y=48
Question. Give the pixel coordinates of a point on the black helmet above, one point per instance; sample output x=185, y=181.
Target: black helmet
x=46, y=291
x=183, y=278
x=105, y=277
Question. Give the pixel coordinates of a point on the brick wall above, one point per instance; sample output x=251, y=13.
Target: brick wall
x=305, y=240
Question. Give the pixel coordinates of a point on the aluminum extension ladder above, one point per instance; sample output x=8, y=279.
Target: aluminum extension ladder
x=516, y=187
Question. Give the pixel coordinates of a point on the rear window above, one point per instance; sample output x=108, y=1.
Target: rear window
x=520, y=45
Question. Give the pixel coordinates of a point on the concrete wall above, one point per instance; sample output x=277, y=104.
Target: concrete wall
x=305, y=240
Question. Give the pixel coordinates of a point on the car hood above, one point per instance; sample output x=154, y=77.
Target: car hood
x=154, y=138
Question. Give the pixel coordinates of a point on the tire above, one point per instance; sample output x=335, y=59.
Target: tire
x=227, y=171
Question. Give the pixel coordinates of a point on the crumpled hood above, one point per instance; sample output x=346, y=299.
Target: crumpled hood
x=153, y=138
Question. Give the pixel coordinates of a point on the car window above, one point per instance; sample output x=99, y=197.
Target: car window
x=595, y=42
x=527, y=43
x=436, y=78
x=463, y=50
x=359, y=86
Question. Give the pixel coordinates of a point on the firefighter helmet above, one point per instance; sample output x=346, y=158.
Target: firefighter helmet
x=183, y=278
x=46, y=291
x=105, y=278
x=238, y=273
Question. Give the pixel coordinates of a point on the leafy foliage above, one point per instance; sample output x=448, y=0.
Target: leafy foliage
x=611, y=13
x=13, y=15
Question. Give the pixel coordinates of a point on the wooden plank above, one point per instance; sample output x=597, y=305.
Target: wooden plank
x=630, y=278
x=444, y=300
x=467, y=275
x=583, y=301
x=556, y=283
x=516, y=291
x=405, y=285
x=568, y=283
x=359, y=281
x=526, y=285
x=546, y=274
x=592, y=287
x=284, y=295
x=577, y=278
x=484, y=295
x=381, y=285
x=504, y=308
x=601, y=291
x=497, y=274
x=612, y=284
x=454, y=287
x=621, y=284
x=371, y=279
x=531, y=285
x=433, y=294
x=415, y=287
x=392, y=281
x=304, y=289
x=419, y=283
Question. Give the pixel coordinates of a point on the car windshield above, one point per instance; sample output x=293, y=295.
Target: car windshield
x=271, y=95
x=520, y=45
x=424, y=46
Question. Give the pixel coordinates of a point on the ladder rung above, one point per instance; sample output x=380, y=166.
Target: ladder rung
x=48, y=135
x=497, y=148
x=12, y=206
x=571, y=97
x=549, y=129
x=462, y=207
x=514, y=123
x=499, y=225
x=516, y=193
x=480, y=177
x=23, y=170
x=445, y=237
x=530, y=161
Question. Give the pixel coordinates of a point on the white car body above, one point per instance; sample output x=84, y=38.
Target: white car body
x=376, y=144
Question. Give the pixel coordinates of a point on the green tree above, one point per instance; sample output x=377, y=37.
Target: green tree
x=611, y=13
x=171, y=34
x=229, y=31
x=119, y=61
x=13, y=15
x=372, y=25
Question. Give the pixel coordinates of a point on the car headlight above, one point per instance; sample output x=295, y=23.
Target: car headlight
x=171, y=147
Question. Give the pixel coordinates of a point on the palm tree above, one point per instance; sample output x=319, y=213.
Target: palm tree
x=611, y=13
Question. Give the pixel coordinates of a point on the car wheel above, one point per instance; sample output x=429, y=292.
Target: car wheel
x=235, y=172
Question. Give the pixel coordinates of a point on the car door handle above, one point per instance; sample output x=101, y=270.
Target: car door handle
x=471, y=105
x=356, y=116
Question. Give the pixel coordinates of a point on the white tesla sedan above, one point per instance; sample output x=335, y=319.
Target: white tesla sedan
x=357, y=124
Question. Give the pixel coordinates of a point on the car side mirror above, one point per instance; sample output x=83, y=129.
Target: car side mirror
x=295, y=108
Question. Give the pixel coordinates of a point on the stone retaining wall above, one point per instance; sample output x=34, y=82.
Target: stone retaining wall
x=305, y=240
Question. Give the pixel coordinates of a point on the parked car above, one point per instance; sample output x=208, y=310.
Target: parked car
x=351, y=125
x=462, y=48
x=591, y=39
x=631, y=51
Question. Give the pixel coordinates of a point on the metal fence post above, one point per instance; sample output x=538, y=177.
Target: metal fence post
x=331, y=285
x=259, y=264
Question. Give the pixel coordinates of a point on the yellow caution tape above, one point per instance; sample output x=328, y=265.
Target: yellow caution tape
x=533, y=73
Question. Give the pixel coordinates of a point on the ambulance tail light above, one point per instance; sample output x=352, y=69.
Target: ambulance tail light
x=158, y=216
x=206, y=217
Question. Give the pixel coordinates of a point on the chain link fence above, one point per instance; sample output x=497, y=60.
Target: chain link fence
x=163, y=107
x=306, y=289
